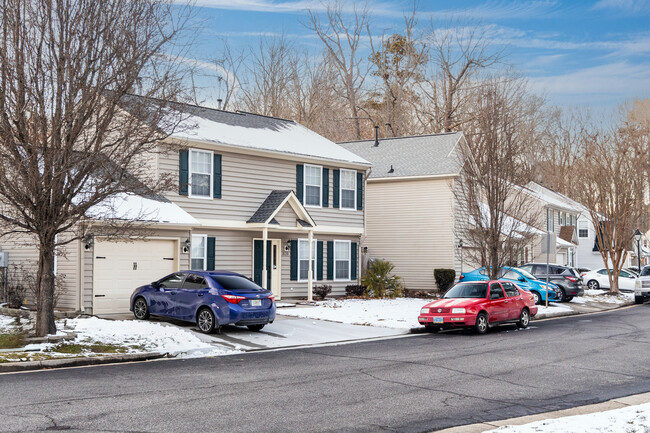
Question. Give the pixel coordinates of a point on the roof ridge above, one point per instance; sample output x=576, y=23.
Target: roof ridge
x=241, y=112
x=402, y=137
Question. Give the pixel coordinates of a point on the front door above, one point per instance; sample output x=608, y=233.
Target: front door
x=273, y=260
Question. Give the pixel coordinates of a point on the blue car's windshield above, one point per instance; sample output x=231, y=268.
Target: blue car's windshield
x=467, y=290
x=525, y=273
x=236, y=283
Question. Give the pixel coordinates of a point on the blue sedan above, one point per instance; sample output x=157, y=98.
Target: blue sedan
x=210, y=299
x=522, y=278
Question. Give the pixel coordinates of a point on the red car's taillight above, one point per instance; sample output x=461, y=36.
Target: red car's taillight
x=573, y=279
x=461, y=277
x=233, y=299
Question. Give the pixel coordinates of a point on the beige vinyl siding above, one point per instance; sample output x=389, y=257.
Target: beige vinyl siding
x=410, y=224
x=286, y=216
x=247, y=181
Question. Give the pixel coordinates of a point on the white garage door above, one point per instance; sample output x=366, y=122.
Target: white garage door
x=120, y=267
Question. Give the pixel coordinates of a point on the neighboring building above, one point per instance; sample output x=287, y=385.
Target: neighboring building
x=412, y=215
x=252, y=191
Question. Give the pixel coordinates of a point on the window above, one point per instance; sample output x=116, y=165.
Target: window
x=313, y=185
x=342, y=260
x=174, y=281
x=200, y=173
x=528, y=268
x=562, y=217
x=303, y=259
x=550, y=220
x=510, y=289
x=348, y=189
x=194, y=282
x=496, y=292
x=199, y=252
x=583, y=229
x=511, y=275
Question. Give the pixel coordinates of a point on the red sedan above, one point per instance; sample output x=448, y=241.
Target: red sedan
x=479, y=304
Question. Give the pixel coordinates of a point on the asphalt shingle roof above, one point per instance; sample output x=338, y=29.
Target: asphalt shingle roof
x=422, y=155
x=269, y=206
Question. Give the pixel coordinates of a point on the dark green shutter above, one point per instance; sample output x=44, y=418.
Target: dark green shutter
x=300, y=179
x=353, y=258
x=293, y=246
x=269, y=254
x=326, y=187
x=216, y=180
x=330, y=260
x=183, y=172
x=335, y=185
x=257, y=262
x=211, y=246
x=359, y=191
x=319, y=260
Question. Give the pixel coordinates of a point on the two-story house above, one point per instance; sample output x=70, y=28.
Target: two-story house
x=262, y=196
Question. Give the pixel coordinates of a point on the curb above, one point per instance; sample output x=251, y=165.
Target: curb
x=616, y=403
x=12, y=367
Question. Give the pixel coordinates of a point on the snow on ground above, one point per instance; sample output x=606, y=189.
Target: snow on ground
x=632, y=419
x=553, y=309
x=6, y=323
x=600, y=296
x=399, y=313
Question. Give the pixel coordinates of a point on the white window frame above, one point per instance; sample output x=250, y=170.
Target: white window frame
x=305, y=241
x=320, y=187
x=550, y=222
x=354, y=190
x=211, y=174
x=349, y=261
x=586, y=227
x=205, y=252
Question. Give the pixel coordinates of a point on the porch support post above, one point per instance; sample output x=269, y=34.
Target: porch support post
x=265, y=235
x=310, y=272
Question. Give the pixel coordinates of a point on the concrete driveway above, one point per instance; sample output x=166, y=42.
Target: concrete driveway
x=284, y=332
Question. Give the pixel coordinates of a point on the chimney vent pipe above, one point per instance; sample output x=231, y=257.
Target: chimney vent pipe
x=376, y=135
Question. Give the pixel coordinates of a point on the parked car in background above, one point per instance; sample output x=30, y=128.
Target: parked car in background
x=479, y=304
x=208, y=298
x=568, y=279
x=522, y=278
x=598, y=280
x=642, y=286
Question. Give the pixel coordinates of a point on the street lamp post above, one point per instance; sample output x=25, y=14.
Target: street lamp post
x=637, y=238
x=460, y=246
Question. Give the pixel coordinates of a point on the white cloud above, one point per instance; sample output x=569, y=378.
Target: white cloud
x=634, y=6
x=501, y=9
x=293, y=6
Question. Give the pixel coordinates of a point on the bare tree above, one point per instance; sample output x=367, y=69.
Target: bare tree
x=342, y=38
x=457, y=56
x=502, y=218
x=70, y=137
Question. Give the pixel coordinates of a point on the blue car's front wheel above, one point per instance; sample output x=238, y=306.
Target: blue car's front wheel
x=140, y=309
x=205, y=320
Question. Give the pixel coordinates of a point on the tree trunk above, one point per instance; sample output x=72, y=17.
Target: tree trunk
x=45, y=288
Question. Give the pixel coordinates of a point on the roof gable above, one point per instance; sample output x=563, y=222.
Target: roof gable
x=275, y=201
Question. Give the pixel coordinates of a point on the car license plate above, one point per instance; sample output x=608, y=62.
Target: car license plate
x=437, y=320
x=256, y=302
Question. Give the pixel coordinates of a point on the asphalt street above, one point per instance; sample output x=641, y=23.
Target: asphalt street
x=412, y=384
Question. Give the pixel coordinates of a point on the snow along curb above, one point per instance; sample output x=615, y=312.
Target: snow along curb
x=10, y=367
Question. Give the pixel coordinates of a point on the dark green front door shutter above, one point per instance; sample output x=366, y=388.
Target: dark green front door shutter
x=319, y=260
x=353, y=259
x=326, y=187
x=330, y=260
x=183, y=172
x=257, y=262
x=216, y=181
x=300, y=179
x=269, y=253
x=210, y=261
x=293, y=246
x=359, y=191
x=335, y=186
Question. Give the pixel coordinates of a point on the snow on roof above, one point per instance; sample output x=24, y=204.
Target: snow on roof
x=511, y=226
x=254, y=131
x=131, y=207
x=561, y=243
x=554, y=198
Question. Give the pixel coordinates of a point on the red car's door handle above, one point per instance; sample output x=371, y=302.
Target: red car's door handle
x=505, y=302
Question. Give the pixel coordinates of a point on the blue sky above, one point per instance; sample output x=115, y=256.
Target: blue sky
x=585, y=53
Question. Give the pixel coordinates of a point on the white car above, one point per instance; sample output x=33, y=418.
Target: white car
x=598, y=279
x=642, y=287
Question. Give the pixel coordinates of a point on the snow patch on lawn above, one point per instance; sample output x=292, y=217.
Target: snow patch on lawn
x=600, y=296
x=6, y=323
x=399, y=313
x=553, y=309
x=150, y=337
x=633, y=419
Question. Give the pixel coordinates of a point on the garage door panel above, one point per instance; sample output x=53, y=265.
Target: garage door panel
x=120, y=267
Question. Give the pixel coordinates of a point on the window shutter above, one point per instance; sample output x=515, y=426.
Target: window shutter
x=257, y=262
x=335, y=184
x=330, y=260
x=210, y=255
x=359, y=191
x=183, y=171
x=326, y=187
x=300, y=179
x=319, y=260
x=293, y=245
x=216, y=180
x=353, y=259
